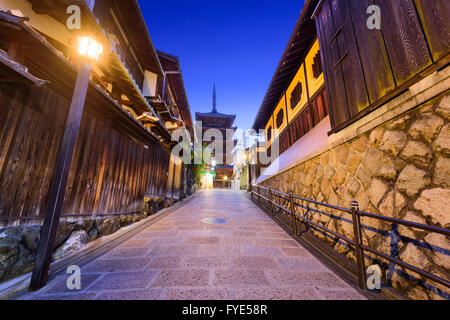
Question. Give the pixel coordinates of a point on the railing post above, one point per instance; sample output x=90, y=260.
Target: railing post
x=271, y=204
x=359, y=253
x=294, y=220
x=259, y=195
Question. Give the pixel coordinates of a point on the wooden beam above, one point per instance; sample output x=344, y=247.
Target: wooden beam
x=59, y=183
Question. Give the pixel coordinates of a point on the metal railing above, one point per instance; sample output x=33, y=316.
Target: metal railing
x=287, y=203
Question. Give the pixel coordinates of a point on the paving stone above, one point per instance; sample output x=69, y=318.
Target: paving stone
x=202, y=240
x=263, y=251
x=146, y=294
x=149, y=234
x=67, y=296
x=208, y=250
x=127, y=252
x=206, y=262
x=276, y=294
x=162, y=241
x=125, y=280
x=59, y=284
x=301, y=279
x=341, y=294
x=301, y=264
x=172, y=278
x=134, y=243
x=244, y=262
x=114, y=265
x=240, y=278
x=274, y=235
x=199, y=294
x=296, y=252
x=173, y=250
x=277, y=243
x=164, y=262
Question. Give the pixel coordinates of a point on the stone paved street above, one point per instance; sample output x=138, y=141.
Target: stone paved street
x=180, y=257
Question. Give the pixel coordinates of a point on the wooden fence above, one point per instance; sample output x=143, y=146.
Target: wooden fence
x=111, y=171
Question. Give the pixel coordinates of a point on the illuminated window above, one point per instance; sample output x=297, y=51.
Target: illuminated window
x=296, y=95
x=269, y=133
x=280, y=118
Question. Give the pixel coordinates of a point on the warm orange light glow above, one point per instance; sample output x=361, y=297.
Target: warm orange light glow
x=89, y=48
x=225, y=178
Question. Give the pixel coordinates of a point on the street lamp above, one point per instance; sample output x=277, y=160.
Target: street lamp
x=89, y=51
x=89, y=48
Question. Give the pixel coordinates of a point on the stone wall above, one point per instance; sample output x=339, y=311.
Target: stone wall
x=18, y=244
x=399, y=169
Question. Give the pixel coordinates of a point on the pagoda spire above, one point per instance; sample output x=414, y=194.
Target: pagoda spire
x=214, y=109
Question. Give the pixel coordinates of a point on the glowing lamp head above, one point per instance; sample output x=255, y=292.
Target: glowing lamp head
x=89, y=48
x=225, y=178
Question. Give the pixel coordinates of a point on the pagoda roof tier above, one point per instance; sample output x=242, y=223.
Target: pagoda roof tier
x=215, y=120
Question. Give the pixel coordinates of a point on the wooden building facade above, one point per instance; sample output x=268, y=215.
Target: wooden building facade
x=366, y=68
x=123, y=150
x=335, y=70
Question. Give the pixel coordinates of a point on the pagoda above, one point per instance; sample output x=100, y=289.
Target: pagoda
x=218, y=173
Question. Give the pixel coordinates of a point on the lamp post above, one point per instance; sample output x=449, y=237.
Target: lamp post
x=89, y=50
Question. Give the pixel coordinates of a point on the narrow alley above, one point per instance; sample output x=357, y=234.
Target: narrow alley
x=218, y=246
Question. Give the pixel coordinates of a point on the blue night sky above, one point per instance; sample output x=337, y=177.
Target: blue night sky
x=236, y=44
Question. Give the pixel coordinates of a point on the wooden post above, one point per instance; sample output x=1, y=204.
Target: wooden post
x=59, y=183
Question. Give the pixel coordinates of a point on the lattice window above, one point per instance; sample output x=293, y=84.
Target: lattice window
x=317, y=65
x=296, y=95
x=280, y=118
x=269, y=133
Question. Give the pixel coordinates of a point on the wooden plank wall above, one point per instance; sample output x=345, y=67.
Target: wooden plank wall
x=361, y=66
x=110, y=172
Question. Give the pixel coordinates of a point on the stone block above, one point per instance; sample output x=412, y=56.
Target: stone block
x=360, y=143
x=417, y=152
x=426, y=128
x=443, y=108
x=352, y=185
x=63, y=232
x=109, y=226
x=393, y=204
x=442, y=141
x=75, y=242
x=353, y=162
x=435, y=203
x=411, y=233
x=376, y=191
x=441, y=174
x=363, y=177
x=392, y=142
x=411, y=180
x=375, y=136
